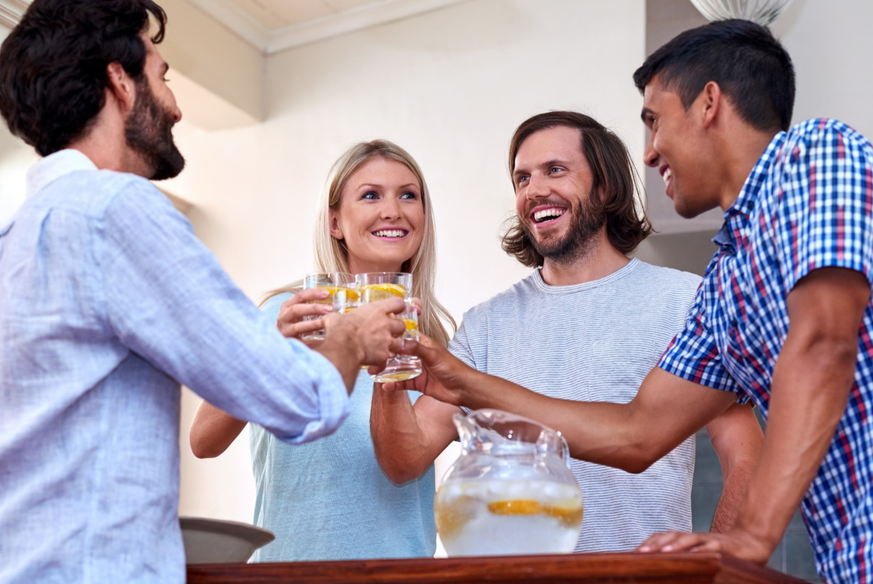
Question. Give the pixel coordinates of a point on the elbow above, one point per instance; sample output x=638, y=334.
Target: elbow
x=640, y=461
x=398, y=472
x=398, y=477
x=201, y=448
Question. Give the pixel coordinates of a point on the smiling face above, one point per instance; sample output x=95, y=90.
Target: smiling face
x=553, y=193
x=678, y=150
x=380, y=216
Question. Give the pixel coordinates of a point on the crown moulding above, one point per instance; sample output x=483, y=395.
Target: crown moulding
x=270, y=41
x=11, y=12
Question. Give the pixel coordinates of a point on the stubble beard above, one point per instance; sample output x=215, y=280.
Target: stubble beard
x=149, y=132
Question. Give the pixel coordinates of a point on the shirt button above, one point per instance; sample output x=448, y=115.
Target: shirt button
x=733, y=323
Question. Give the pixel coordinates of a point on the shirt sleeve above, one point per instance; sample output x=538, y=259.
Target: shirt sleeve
x=825, y=213
x=693, y=354
x=169, y=301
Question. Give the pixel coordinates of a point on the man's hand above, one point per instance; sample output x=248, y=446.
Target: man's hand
x=292, y=312
x=737, y=543
x=443, y=376
x=368, y=335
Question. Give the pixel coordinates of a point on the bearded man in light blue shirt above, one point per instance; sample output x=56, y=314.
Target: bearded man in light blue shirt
x=108, y=302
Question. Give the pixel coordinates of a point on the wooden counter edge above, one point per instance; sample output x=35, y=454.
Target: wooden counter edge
x=569, y=569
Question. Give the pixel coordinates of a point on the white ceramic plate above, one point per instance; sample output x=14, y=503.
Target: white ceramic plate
x=211, y=541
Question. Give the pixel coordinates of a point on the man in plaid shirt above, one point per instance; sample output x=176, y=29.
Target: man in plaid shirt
x=783, y=316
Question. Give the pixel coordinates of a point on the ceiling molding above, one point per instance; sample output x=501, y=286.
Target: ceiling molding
x=11, y=12
x=311, y=31
x=237, y=20
x=268, y=42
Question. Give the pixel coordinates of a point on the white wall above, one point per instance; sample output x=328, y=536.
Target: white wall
x=450, y=86
x=829, y=45
x=15, y=158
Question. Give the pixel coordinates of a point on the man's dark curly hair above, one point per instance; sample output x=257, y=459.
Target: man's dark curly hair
x=53, y=65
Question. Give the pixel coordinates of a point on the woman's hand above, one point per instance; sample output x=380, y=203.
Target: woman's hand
x=290, y=322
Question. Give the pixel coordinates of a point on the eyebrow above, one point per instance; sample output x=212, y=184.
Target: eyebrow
x=407, y=185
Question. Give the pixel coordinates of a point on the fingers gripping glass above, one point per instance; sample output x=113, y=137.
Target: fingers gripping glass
x=336, y=284
x=373, y=287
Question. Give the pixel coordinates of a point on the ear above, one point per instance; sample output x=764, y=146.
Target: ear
x=121, y=85
x=333, y=223
x=711, y=103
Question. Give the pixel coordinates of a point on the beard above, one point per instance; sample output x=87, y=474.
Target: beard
x=585, y=224
x=149, y=132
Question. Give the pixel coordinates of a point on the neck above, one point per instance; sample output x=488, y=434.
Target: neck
x=107, y=147
x=600, y=261
x=738, y=156
x=363, y=267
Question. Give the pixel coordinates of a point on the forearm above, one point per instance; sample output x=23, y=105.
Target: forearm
x=399, y=440
x=626, y=436
x=811, y=384
x=346, y=364
x=737, y=439
x=213, y=431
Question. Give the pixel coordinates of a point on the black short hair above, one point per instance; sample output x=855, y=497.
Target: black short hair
x=53, y=65
x=750, y=66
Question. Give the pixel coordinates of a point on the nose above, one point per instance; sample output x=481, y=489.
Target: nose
x=536, y=187
x=177, y=115
x=390, y=208
x=650, y=156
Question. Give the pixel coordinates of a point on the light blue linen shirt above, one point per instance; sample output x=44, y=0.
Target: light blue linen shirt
x=107, y=303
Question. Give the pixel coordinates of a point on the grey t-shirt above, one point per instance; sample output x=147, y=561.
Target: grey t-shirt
x=595, y=341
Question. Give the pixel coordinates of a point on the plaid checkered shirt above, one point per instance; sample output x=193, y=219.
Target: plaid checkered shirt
x=807, y=204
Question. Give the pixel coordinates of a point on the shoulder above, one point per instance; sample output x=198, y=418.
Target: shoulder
x=507, y=301
x=100, y=193
x=666, y=279
x=821, y=137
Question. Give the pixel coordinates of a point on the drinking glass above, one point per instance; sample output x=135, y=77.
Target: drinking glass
x=373, y=287
x=337, y=284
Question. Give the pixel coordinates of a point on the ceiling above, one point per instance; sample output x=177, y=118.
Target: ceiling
x=276, y=25
x=276, y=14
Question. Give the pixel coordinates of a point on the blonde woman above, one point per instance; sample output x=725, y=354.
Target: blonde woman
x=329, y=500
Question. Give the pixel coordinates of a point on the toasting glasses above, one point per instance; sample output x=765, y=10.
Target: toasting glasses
x=339, y=286
x=372, y=287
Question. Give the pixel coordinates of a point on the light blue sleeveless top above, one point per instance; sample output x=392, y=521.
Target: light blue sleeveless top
x=329, y=500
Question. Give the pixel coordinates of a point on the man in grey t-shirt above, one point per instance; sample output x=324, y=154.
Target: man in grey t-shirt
x=589, y=324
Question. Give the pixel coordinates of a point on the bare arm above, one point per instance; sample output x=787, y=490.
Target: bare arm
x=366, y=336
x=213, y=431
x=630, y=436
x=811, y=383
x=737, y=440
x=408, y=438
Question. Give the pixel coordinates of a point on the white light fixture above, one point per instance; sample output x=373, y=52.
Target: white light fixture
x=761, y=11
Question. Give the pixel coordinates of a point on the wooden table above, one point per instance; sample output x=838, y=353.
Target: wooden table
x=684, y=568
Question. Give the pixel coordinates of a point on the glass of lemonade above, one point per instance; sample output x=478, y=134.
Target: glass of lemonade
x=338, y=285
x=376, y=286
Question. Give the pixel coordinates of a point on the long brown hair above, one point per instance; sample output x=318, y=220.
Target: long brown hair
x=614, y=184
x=331, y=254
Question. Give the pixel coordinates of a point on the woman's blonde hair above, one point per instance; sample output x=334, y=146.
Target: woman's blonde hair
x=331, y=254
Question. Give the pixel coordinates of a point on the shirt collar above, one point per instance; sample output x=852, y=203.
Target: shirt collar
x=749, y=193
x=54, y=166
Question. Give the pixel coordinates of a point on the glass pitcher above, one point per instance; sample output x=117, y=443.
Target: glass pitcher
x=511, y=490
